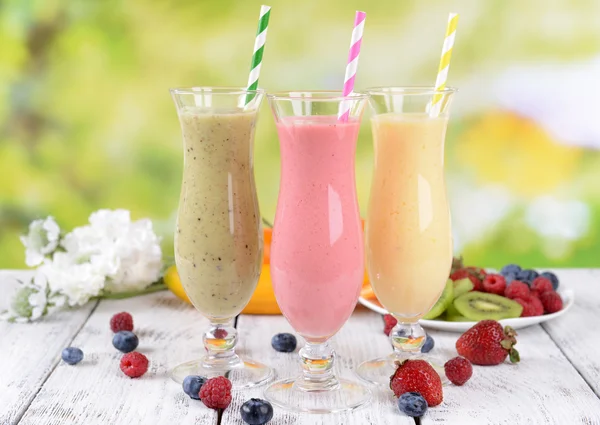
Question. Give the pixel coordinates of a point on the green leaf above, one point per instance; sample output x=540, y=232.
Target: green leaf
x=514, y=356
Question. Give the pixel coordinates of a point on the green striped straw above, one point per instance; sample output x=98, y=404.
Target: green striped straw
x=259, y=48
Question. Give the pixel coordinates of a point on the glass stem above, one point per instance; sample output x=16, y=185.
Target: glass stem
x=407, y=338
x=317, y=367
x=219, y=341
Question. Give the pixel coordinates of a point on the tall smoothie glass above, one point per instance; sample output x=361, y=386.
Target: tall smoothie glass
x=317, y=257
x=408, y=237
x=218, y=241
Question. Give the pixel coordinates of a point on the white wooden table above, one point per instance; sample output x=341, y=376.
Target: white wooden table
x=557, y=381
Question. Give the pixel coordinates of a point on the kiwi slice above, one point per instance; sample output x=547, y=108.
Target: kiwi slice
x=462, y=286
x=457, y=318
x=442, y=303
x=452, y=315
x=452, y=311
x=481, y=306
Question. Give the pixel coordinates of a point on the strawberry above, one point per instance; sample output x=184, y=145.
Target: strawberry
x=494, y=284
x=417, y=376
x=474, y=274
x=487, y=343
x=552, y=302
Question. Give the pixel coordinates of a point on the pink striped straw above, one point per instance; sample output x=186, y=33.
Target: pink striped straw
x=351, y=67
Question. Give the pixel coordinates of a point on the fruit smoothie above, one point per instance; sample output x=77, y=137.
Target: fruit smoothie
x=218, y=242
x=408, y=232
x=317, y=253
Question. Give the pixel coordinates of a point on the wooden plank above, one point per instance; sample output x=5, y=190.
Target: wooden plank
x=543, y=388
x=360, y=339
x=30, y=352
x=97, y=392
x=577, y=333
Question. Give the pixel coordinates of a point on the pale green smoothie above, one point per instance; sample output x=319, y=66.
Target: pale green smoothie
x=218, y=241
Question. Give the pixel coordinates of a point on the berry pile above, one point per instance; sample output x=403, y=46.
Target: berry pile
x=133, y=364
x=417, y=384
x=476, y=295
x=535, y=292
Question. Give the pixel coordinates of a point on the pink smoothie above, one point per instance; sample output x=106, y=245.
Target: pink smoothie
x=317, y=257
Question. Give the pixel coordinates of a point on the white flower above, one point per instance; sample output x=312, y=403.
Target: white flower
x=78, y=282
x=127, y=253
x=30, y=301
x=111, y=254
x=139, y=257
x=42, y=240
x=38, y=300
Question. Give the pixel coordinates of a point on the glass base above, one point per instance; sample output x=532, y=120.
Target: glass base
x=379, y=371
x=343, y=396
x=242, y=372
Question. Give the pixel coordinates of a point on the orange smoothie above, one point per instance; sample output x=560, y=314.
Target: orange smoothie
x=408, y=232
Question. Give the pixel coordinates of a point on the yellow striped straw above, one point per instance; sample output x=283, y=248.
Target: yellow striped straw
x=442, y=75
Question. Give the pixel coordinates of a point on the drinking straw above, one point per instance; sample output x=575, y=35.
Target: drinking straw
x=352, y=65
x=259, y=48
x=442, y=75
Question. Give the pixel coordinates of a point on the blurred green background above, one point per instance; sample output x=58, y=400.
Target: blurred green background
x=86, y=120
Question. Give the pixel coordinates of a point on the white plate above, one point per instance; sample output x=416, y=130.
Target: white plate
x=567, y=295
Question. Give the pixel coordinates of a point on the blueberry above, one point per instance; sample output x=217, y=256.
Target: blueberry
x=526, y=276
x=510, y=269
x=256, y=411
x=428, y=346
x=285, y=343
x=125, y=341
x=509, y=277
x=72, y=355
x=413, y=404
x=192, y=385
x=552, y=278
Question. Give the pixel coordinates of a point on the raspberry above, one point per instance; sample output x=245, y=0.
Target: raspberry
x=552, y=302
x=541, y=285
x=216, y=393
x=121, y=322
x=552, y=278
x=516, y=290
x=532, y=306
x=220, y=333
x=494, y=284
x=389, y=323
x=134, y=364
x=458, y=370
